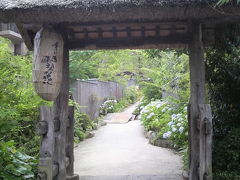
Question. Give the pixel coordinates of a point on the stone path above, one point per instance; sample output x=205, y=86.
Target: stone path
x=121, y=152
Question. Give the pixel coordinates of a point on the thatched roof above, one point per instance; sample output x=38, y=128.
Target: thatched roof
x=27, y=4
x=114, y=24
x=85, y=11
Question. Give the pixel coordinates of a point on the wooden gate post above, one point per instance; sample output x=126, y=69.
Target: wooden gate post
x=57, y=124
x=205, y=165
x=48, y=166
x=197, y=80
x=46, y=130
x=60, y=119
x=70, y=145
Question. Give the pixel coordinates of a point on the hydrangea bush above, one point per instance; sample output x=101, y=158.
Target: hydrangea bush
x=153, y=115
x=168, y=120
x=177, y=129
x=108, y=106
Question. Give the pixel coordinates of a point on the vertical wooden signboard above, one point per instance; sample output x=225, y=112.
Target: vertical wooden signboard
x=47, y=63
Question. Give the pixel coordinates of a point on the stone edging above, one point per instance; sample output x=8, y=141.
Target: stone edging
x=151, y=135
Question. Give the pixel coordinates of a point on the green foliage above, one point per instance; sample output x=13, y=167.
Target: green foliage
x=132, y=94
x=223, y=2
x=151, y=90
x=230, y=152
x=152, y=116
x=106, y=65
x=167, y=75
x=82, y=65
x=223, y=72
x=108, y=106
x=31, y=147
x=166, y=71
x=143, y=102
x=225, y=175
x=15, y=165
x=169, y=121
x=185, y=158
x=121, y=104
x=114, y=63
x=18, y=112
x=83, y=123
x=19, y=103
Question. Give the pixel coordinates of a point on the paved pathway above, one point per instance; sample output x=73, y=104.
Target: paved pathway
x=121, y=152
x=122, y=117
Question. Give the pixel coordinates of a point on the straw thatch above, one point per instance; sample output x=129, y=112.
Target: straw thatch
x=87, y=11
x=27, y=4
x=101, y=24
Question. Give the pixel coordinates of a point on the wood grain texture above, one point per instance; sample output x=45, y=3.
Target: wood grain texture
x=61, y=114
x=206, y=132
x=47, y=144
x=70, y=141
x=47, y=63
x=197, y=80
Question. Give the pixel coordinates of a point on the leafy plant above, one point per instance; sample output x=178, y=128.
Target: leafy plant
x=15, y=165
x=82, y=65
x=18, y=114
x=132, y=94
x=83, y=123
x=108, y=106
x=168, y=76
x=169, y=122
x=223, y=2
x=223, y=72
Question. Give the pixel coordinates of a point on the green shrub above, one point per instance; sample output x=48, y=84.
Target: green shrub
x=15, y=165
x=226, y=175
x=108, y=106
x=229, y=151
x=152, y=116
x=79, y=134
x=32, y=147
x=83, y=121
x=151, y=91
x=169, y=122
x=132, y=94
x=143, y=102
x=185, y=158
x=112, y=105
x=222, y=75
x=121, y=105
x=19, y=113
x=82, y=124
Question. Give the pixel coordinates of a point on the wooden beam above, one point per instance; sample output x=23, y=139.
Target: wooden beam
x=28, y=39
x=197, y=80
x=134, y=26
x=115, y=43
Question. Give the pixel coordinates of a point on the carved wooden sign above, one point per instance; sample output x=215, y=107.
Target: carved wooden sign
x=47, y=63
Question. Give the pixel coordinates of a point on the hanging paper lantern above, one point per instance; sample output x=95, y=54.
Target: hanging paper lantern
x=47, y=63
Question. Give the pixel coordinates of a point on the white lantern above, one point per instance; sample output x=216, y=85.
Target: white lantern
x=47, y=63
